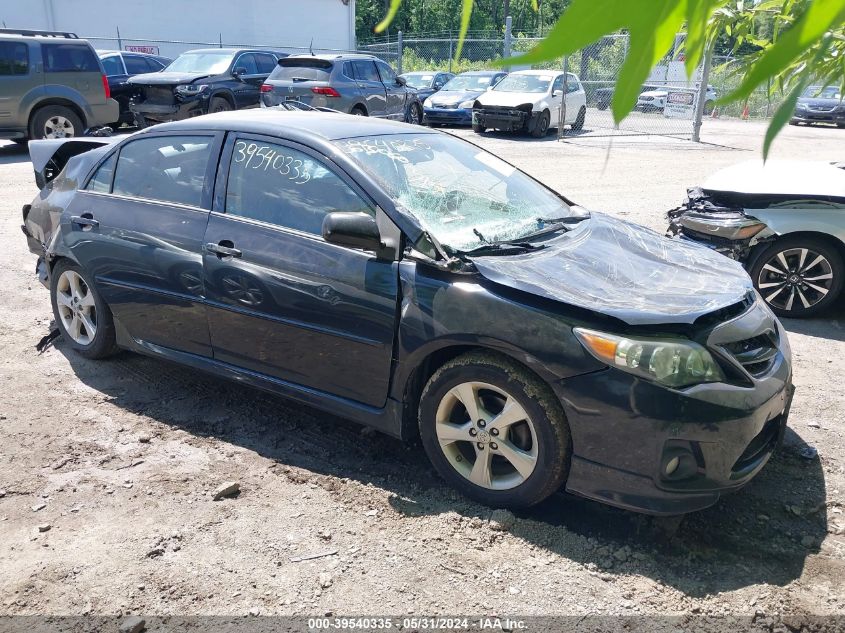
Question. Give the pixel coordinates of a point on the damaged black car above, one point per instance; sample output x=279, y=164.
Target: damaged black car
x=413, y=282
x=783, y=220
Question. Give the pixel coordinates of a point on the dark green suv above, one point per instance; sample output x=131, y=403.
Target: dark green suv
x=52, y=85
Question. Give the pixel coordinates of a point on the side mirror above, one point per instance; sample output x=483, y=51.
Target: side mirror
x=240, y=70
x=557, y=93
x=401, y=81
x=355, y=230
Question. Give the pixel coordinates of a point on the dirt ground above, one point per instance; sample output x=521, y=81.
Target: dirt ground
x=118, y=460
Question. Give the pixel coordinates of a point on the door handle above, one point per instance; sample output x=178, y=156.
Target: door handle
x=223, y=249
x=85, y=220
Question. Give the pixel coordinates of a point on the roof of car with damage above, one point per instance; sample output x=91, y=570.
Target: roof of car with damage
x=272, y=122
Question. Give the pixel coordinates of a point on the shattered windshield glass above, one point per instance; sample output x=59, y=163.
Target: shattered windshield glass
x=463, y=196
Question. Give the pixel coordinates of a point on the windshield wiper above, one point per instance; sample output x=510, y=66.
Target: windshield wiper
x=551, y=225
x=502, y=248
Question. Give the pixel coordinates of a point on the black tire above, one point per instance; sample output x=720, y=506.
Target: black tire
x=542, y=126
x=358, y=111
x=542, y=408
x=579, y=120
x=219, y=104
x=103, y=343
x=415, y=114
x=478, y=129
x=791, y=248
x=49, y=116
x=21, y=142
x=793, y=122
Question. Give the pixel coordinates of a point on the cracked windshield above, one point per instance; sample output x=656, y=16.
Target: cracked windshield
x=462, y=195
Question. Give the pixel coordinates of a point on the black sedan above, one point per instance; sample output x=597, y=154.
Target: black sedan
x=409, y=280
x=820, y=104
x=119, y=67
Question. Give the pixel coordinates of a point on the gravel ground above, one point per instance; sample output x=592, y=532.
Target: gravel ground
x=108, y=469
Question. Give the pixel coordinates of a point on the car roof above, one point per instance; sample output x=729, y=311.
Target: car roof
x=333, y=56
x=230, y=51
x=424, y=72
x=483, y=73
x=537, y=72
x=293, y=125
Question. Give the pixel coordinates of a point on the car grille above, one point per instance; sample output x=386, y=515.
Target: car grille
x=159, y=95
x=821, y=108
x=755, y=354
x=446, y=106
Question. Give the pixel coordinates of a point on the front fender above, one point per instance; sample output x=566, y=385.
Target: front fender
x=828, y=221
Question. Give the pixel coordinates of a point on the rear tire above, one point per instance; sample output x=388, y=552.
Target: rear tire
x=358, y=111
x=55, y=122
x=807, y=283
x=519, y=431
x=579, y=120
x=82, y=317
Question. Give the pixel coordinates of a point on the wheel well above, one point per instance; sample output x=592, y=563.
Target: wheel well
x=425, y=370
x=223, y=95
x=57, y=102
x=825, y=238
x=359, y=106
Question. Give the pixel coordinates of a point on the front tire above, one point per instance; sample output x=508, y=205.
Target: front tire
x=82, y=317
x=494, y=431
x=798, y=276
x=219, y=104
x=478, y=128
x=415, y=115
x=541, y=128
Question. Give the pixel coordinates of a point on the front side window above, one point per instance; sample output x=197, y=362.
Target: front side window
x=282, y=186
x=210, y=63
x=387, y=74
x=465, y=197
x=69, y=58
x=245, y=64
x=524, y=83
x=101, y=181
x=558, y=84
x=165, y=168
x=14, y=58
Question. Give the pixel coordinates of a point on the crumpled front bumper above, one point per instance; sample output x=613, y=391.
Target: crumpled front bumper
x=512, y=119
x=145, y=112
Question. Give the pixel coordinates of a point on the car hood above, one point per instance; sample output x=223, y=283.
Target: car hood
x=513, y=99
x=813, y=179
x=625, y=271
x=448, y=97
x=166, y=78
x=654, y=93
x=819, y=101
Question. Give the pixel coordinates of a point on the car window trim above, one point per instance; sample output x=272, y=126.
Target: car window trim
x=210, y=170
x=255, y=61
x=222, y=182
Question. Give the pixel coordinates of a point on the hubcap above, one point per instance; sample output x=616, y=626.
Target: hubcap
x=58, y=127
x=76, y=306
x=486, y=435
x=795, y=278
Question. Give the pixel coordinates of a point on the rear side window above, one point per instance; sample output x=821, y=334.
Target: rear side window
x=136, y=65
x=266, y=63
x=101, y=181
x=365, y=70
x=279, y=185
x=69, y=58
x=302, y=69
x=112, y=65
x=167, y=168
x=14, y=58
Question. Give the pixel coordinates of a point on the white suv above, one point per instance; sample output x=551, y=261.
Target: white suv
x=531, y=101
x=654, y=99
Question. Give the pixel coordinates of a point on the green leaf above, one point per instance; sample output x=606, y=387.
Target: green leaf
x=698, y=12
x=820, y=16
x=535, y=5
x=787, y=108
x=391, y=13
x=466, y=13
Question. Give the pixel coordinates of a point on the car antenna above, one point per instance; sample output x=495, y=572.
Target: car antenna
x=311, y=47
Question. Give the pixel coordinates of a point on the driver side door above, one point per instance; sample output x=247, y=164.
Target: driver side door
x=396, y=93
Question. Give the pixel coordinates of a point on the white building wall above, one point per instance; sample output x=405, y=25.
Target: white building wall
x=284, y=24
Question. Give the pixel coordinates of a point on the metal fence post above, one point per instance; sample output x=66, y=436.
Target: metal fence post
x=451, y=50
x=119, y=41
x=562, y=112
x=702, y=94
x=399, y=49
x=506, y=52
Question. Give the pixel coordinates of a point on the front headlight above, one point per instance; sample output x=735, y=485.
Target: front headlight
x=191, y=89
x=730, y=227
x=427, y=103
x=670, y=362
x=463, y=105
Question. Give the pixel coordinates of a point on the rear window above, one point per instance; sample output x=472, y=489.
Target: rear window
x=69, y=58
x=14, y=58
x=302, y=69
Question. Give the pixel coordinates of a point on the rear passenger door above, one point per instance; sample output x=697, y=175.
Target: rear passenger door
x=138, y=226
x=396, y=93
x=370, y=86
x=282, y=301
x=17, y=78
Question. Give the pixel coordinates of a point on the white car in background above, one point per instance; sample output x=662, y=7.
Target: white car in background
x=531, y=101
x=654, y=100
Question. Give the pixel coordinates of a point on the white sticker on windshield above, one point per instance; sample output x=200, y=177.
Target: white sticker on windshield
x=497, y=164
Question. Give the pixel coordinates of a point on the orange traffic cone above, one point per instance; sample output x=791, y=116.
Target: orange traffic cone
x=745, y=112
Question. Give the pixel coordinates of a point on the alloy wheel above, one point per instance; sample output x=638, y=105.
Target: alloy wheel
x=795, y=278
x=486, y=435
x=414, y=115
x=58, y=127
x=77, y=308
